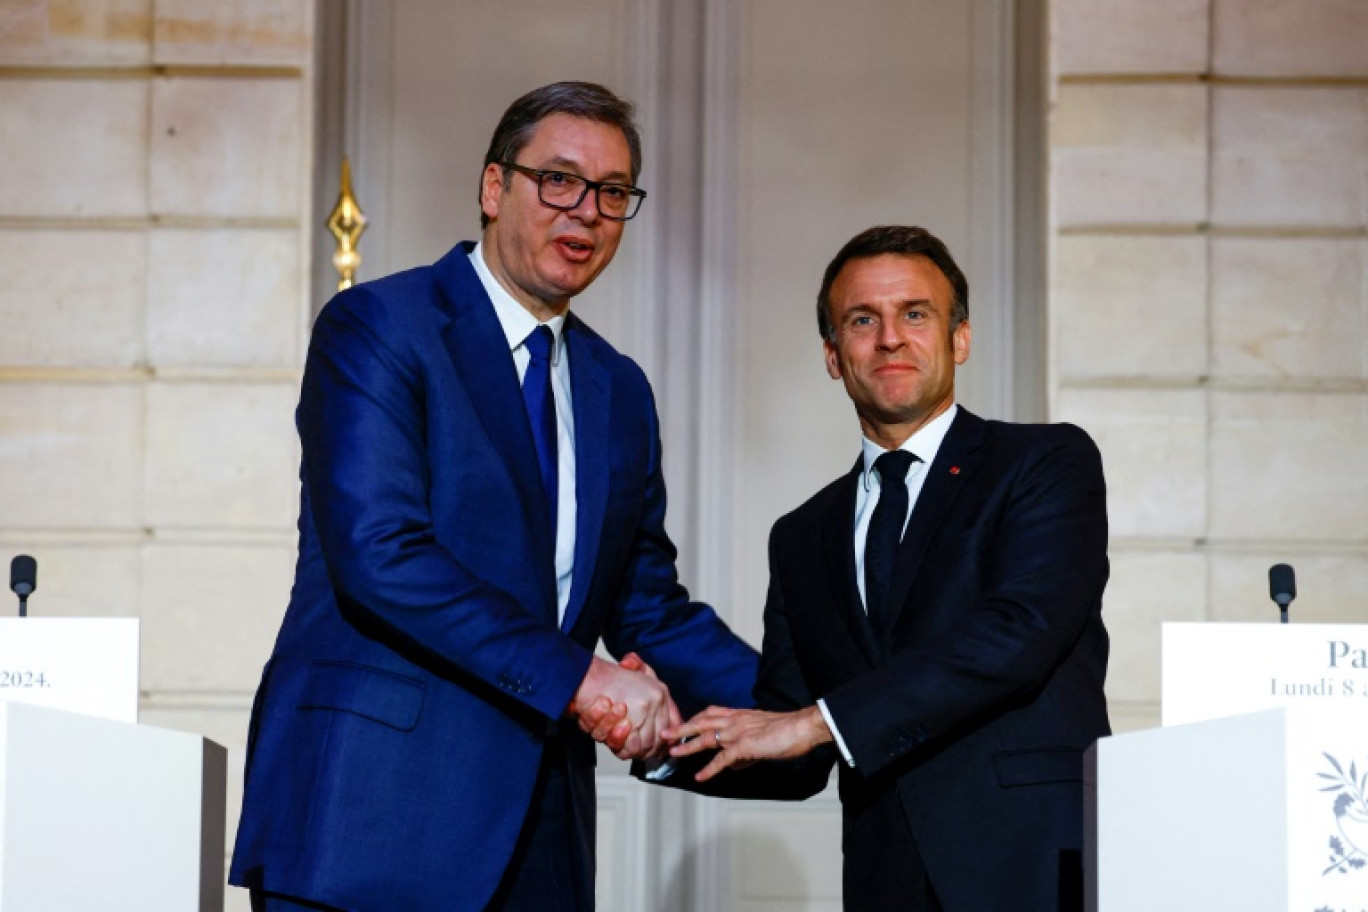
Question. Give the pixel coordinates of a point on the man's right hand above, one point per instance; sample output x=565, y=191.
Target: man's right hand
x=626, y=707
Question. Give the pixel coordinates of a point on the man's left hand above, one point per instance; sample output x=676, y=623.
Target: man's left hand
x=742, y=736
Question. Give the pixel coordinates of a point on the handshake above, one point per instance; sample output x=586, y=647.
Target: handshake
x=629, y=709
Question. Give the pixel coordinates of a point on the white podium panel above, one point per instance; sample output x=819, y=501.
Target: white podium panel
x=1264, y=812
x=81, y=665
x=103, y=816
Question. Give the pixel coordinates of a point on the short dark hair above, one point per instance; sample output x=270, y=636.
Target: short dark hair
x=900, y=240
x=578, y=99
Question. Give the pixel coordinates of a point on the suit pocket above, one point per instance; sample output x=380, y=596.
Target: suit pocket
x=361, y=690
x=1038, y=766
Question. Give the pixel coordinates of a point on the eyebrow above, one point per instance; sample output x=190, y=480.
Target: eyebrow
x=867, y=307
x=561, y=163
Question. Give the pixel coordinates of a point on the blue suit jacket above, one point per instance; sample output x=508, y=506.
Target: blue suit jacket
x=400, y=721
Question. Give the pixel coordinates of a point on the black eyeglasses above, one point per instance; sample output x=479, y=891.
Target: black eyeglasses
x=563, y=191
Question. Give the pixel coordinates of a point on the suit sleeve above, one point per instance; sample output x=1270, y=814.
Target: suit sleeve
x=685, y=642
x=1044, y=569
x=366, y=480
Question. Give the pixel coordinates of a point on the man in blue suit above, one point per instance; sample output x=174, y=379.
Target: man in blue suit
x=482, y=501
x=934, y=620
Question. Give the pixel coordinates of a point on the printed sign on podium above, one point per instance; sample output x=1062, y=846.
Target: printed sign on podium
x=1216, y=670
x=80, y=665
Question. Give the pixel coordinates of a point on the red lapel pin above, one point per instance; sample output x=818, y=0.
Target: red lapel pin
x=954, y=470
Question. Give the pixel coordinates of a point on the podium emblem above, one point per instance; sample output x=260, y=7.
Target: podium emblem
x=1348, y=850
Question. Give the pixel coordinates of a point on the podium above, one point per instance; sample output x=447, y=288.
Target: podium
x=1254, y=794
x=97, y=812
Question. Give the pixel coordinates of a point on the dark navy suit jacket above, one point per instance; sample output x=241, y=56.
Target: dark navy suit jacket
x=399, y=725
x=971, y=719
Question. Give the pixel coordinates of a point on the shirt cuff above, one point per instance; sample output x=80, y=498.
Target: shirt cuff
x=659, y=770
x=836, y=733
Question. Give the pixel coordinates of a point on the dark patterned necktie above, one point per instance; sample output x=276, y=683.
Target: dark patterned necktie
x=541, y=411
x=885, y=534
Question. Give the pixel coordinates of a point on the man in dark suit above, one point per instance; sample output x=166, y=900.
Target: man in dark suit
x=482, y=501
x=933, y=625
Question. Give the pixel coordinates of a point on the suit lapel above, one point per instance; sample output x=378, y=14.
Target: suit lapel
x=479, y=350
x=838, y=549
x=590, y=389
x=955, y=463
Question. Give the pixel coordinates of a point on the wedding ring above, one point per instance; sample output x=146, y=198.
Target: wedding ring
x=717, y=736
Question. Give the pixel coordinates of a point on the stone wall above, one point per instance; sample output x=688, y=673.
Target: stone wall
x=1208, y=305
x=154, y=187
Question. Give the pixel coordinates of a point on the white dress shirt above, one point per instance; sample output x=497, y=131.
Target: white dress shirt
x=924, y=445
x=517, y=324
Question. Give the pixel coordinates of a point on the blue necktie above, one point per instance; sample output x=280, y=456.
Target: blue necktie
x=541, y=411
x=884, y=536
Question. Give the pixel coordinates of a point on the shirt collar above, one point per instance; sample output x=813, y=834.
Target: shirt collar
x=516, y=322
x=924, y=444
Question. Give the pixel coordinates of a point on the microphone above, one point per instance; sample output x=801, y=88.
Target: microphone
x=1282, y=586
x=23, y=580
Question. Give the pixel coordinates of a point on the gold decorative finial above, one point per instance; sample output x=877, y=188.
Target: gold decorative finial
x=346, y=222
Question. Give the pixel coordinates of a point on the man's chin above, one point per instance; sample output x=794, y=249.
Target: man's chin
x=568, y=283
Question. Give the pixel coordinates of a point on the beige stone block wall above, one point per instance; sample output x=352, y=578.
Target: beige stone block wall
x=226, y=592
x=1154, y=454
x=74, y=147
x=1288, y=308
x=70, y=454
x=72, y=277
x=1278, y=38
x=227, y=147
x=1147, y=588
x=242, y=314
x=220, y=454
x=75, y=32
x=245, y=31
x=1130, y=153
x=1209, y=305
x=154, y=240
x=1293, y=466
x=1290, y=155
x=1123, y=36
x=1142, y=289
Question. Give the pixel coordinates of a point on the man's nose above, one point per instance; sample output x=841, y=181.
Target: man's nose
x=587, y=211
x=890, y=334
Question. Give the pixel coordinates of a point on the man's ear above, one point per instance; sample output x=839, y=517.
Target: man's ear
x=833, y=360
x=960, y=339
x=491, y=189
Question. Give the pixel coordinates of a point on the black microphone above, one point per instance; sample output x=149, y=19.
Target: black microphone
x=23, y=580
x=1282, y=586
